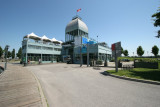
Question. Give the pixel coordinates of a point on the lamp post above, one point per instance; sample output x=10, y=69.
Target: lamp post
x=6, y=54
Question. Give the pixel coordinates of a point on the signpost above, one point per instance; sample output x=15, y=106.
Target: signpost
x=116, y=52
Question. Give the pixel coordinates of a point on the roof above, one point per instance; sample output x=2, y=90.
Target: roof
x=45, y=38
x=32, y=36
x=54, y=40
x=76, y=23
x=60, y=42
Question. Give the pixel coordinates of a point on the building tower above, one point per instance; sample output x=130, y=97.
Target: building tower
x=79, y=47
x=76, y=27
x=76, y=30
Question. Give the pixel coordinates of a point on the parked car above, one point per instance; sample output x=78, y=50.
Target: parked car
x=125, y=60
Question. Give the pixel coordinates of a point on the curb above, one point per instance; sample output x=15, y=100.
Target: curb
x=43, y=99
x=132, y=79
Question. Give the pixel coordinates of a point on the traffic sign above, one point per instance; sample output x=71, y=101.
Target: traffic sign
x=116, y=49
x=116, y=52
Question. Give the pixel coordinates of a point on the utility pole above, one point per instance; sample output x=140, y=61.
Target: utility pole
x=6, y=54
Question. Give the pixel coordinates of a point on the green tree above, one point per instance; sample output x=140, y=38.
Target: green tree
x=156, y=19
x=19, y=54
x=13, y=53
x=9, y=54
x=140, y=51
x=155, y=50
x=125, y=52
x=1, y=51
x=121, y=50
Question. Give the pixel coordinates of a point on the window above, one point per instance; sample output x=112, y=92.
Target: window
x=57, y=49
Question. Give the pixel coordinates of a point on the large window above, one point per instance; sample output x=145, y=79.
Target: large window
x=39, y=47
x=34, y=57
x=47, y=57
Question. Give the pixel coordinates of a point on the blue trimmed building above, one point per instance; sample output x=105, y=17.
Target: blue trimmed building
x=35, y=48
x=76, y=41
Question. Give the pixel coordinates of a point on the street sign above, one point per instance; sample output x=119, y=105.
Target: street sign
x=84, y=40
x=116, y=52
x=116, y=49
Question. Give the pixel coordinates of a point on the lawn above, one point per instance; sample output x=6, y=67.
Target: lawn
x=139, y=73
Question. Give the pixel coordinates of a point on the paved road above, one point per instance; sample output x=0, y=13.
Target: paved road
x=71, y=86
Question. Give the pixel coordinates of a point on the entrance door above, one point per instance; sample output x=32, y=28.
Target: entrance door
x=85, y=59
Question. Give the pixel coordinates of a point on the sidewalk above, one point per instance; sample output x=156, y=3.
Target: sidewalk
x=19, y=88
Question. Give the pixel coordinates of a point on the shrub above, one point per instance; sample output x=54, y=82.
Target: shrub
x=99, y=62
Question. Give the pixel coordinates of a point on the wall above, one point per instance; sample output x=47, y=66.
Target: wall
x=104, y=50
x=42, y=49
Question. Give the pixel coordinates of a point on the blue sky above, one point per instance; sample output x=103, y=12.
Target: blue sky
x=128, y=21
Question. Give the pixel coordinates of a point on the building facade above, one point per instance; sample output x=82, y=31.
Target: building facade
x=78, y=45
x=43, y=49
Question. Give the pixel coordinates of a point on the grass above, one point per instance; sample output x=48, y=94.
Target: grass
x=139, y=73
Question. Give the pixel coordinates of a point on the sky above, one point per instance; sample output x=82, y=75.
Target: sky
x=128, y=21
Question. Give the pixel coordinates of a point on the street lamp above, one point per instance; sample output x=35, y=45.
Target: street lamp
x=6, y=54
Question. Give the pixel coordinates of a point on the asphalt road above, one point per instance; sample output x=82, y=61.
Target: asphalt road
x=71, y=86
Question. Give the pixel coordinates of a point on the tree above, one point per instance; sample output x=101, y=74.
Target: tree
x=19, y=54
x=1, y=51
x=9, y=54
x=121, y=50
x=13, y=53
x=155, y=50
x=140, y=51
x=125, y=52
x=156, y=19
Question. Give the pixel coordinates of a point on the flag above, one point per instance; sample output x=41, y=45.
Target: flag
x=78, y=10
